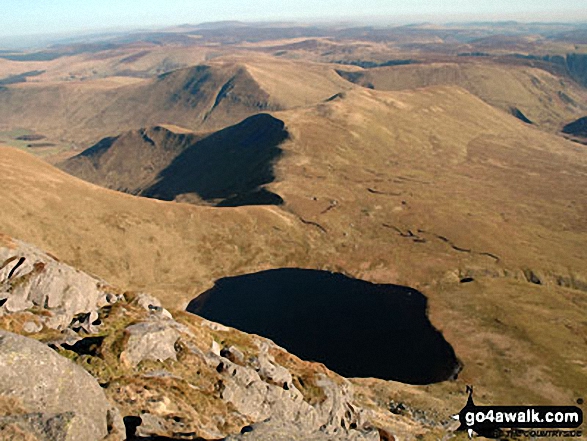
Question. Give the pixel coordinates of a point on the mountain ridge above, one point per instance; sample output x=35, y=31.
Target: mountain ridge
x=228, y=167
x=205, y=97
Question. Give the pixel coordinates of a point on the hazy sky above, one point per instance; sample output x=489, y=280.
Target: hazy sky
x=22, y=17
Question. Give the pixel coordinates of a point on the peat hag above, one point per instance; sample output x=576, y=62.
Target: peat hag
x=356, y=328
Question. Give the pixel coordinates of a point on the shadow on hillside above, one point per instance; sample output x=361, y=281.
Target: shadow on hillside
x=229, y=167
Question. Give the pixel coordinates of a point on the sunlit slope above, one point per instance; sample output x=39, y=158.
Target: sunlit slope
x=204, y=97
x=175, y=250
x=438, y=160
x=435, y=189
x=293, y=84
x=545, y=99
x=430, y=188
x=362, y=166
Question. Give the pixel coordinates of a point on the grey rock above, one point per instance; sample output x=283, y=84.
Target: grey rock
x=147, y=302
x=151, y=425
x=58, y=319
x=17, y=303
x=32, y=327
x=265, y=391
x=115, y=423
x=153, y=305
x=150, y=340
x=46, y=283
x=233, y=354
x=271, y=371
x=49, y=384
x=39, y=426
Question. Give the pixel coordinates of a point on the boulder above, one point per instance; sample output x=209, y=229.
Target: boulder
x=153, y=305
x=31, y=278
x=150, y=340
x=63, y=402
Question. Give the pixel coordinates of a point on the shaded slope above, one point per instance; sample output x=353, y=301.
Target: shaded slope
x=518, y=114
x=577, y=128
x=131, y=161
x=226, y=168
x=577, y=67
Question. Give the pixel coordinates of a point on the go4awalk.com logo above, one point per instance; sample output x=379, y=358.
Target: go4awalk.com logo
x=519, y=421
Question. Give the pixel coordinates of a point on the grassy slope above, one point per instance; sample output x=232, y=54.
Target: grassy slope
x=208, y=97
x=537, y=93
x=438, y=163
x=442, y=164
x=168, y=248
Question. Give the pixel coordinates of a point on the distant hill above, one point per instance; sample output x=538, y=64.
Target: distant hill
x=545, y=99
x=204, y=97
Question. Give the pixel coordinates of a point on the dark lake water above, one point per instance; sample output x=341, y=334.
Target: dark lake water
x=356, y=328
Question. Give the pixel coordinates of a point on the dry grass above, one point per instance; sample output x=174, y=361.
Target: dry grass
x=541, y=96
x=83, y=112
x=414, y=187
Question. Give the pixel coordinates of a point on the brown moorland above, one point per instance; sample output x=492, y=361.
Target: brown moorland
x=543, y=98
x=205, y=97
x=429, y=188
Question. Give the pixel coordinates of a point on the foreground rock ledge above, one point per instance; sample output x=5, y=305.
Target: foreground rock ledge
x=58, y=399
x=120, y=356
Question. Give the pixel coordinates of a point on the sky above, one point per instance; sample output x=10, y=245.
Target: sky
x=27, y=17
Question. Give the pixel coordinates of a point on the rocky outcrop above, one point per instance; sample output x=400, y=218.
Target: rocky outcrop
x=264, y=391
x=30, y=278
x=62, y=401
x=258, y=389
x=152, y=340
x=168, y=373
